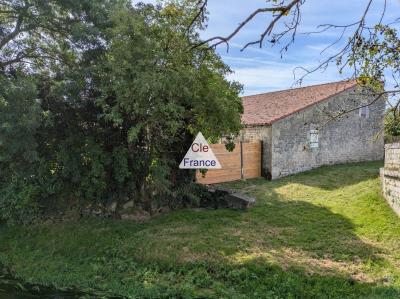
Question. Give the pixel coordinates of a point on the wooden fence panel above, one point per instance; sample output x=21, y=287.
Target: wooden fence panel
x=251, y=160
x=231, y=163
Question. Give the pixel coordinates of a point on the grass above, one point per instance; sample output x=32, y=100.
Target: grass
x=326, y=233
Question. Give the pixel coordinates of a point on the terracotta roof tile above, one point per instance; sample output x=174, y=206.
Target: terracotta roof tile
x=269, y=107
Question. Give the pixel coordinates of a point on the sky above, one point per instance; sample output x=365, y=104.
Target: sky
x=264, y=69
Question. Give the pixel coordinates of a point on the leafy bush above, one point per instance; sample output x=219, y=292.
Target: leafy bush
x=20, y=116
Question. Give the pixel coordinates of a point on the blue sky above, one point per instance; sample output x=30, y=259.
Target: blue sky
x=263, y=70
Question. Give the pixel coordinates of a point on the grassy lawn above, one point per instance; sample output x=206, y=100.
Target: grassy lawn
x=322, y=234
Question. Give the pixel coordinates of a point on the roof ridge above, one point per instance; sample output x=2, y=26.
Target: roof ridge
x=302, y=87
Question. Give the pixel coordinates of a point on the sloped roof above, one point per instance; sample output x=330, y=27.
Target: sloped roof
x=267, y=108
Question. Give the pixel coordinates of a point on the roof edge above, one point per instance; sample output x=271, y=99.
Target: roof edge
x=305, y=107
x=302, y=87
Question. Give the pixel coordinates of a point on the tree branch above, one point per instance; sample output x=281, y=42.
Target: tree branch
x=13, y=34
x=201, y=4
x=282, y=10
x=271, y=26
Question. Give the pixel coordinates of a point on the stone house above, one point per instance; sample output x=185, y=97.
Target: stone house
x=304, y=128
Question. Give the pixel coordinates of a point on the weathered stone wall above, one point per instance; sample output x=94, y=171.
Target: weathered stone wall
x=390, y=176
x=255, y=133
x=263, y=134
x=349, y=138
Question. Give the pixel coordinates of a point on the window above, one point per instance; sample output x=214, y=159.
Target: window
x=313, y=138
x=364, y=112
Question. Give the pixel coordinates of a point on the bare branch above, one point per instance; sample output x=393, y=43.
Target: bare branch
x=345, y=50
x=271, y=26
x=281, y=10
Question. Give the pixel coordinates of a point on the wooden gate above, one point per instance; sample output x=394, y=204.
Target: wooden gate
x=244, y=162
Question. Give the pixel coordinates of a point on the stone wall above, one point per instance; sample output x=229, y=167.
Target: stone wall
x=349, y=138
x=390, y=176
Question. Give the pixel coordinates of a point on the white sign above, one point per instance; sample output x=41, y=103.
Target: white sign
x=314, y=138
x=200, y=155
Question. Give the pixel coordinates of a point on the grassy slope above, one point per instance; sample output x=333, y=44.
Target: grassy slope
x=325, y=233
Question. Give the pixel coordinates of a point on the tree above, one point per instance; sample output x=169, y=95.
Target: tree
x=392, y=125
x=159, y=94
x=37, y=33
x=115, y=100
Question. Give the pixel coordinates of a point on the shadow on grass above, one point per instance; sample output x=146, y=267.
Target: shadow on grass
x=300, y=223
x=282, y=249
x=257, y=278
x=279, y=249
